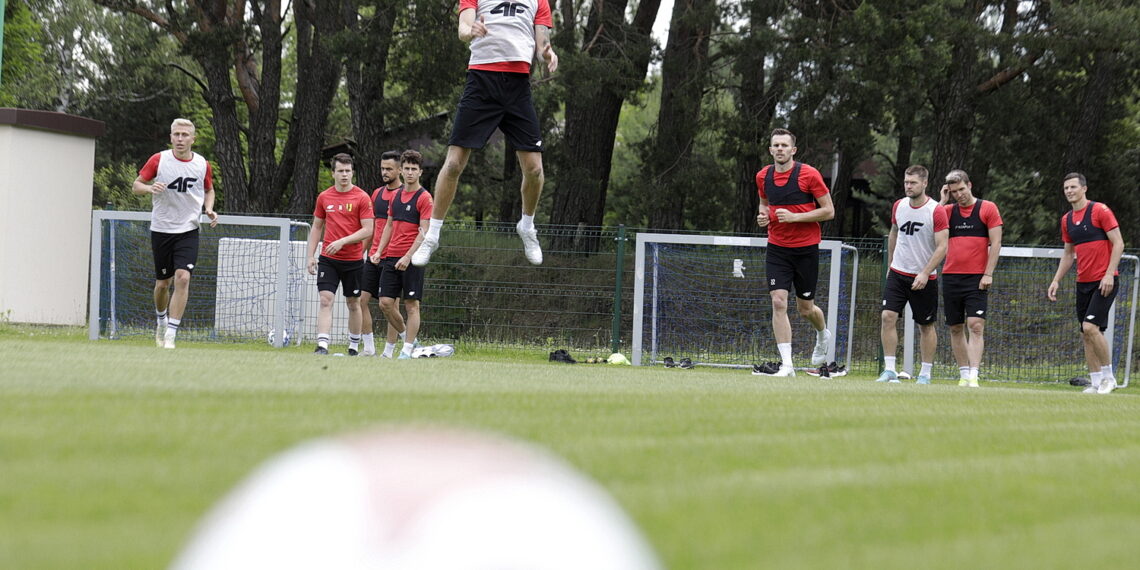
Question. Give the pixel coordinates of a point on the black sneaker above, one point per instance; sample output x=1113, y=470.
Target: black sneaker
x=669, y=362
x=353, y=352
x=562, y=356
x=321, y=350
x=686, y=363
x=765, y=369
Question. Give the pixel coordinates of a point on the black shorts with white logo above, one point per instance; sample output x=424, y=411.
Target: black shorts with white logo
x=370, y=278
x=788, y=267
x=334, y=272
x=496, y=99
x=173, y=252
x=395, y=283
x=923, y=302
x=1092, y=307
x=962, y=298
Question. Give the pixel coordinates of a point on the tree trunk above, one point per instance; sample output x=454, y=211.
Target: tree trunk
x=366, y=71
x=613, y=64
x=683, y=73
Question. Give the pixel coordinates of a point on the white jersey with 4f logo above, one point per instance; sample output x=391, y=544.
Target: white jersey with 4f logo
x=915, y=243
x=177, y=209
x=510, y=31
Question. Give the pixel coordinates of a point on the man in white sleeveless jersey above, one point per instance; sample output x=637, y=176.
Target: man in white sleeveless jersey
x=504, y=38
x=917, y=244
x=180, y=184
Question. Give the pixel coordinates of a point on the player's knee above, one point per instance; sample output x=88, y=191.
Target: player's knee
x=326, y=299
x=977, y=326
x=1090, y=329
x=889, y=318
x=387, y=304
x=181, y=279
x=779, y=305
x=532, y=170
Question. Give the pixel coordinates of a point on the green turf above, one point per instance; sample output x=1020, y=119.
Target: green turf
x=110, y=451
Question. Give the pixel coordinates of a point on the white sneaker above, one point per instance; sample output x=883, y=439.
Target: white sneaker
x=160, y=335
x=168, y=340
x=369, y=352
x=423, y=255
x=531, y=248
x=972, y=383
x=783, y=372
x=1107, y=385
x=1089, y=390
x=819, y=355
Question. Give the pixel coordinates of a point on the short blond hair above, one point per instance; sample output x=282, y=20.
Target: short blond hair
x=183, y=123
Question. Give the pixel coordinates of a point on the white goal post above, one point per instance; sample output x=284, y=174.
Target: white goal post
x=722, y=268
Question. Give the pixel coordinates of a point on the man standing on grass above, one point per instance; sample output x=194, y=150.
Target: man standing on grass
x=971, y=256
x=408, y=214
x=370, y=287
x=342, y=220
x=180, y=183
x=1091, y=235
x=505, y=38
x=793, y=201
x=916, y=246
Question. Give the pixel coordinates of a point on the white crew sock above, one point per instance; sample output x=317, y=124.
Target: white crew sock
x=1106, y=371
x=323, y=341
x=889, y=363
x=433, y=228
x=926, y=368
x=526, y=222
x=1095, y=378
x=353, y=341
x=407, y=348
x=964, y=372
x=389, y=348
x=172, y=327
x=369, y=342
x=160, y=317
x=785, y=349
x=973, y=373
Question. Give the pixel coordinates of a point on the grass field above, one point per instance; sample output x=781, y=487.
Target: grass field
x=110, y=452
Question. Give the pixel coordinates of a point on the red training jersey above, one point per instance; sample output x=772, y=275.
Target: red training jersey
x=381, y=197
x=405, y=218
x=342, y=213
x=967, y=250
x=794, y=234
x=1093, y=255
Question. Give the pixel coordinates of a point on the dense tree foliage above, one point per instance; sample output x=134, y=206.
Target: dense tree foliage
x=1015, y=92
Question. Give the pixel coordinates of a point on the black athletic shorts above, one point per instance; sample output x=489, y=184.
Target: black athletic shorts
x=789, y=267
x=1092, y=307
x=496, y=99
x=173, y=252
x=334, y=272
x=962, y=298
x=394, y=283
x=923, y=303
x=370, y=279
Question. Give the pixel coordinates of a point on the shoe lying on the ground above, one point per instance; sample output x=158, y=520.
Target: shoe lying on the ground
x=561, y=355
x=766, y=369
x=321, y=350
x=922, y=379
x=353, y=352
x=531, y=248
x=422, y=255
x=784, y=372
x=686, y=363
x=669, y=362
x=1079, y=381
x=1107, y=385
x=819, y=353
x=888, y=376
x=832, y=370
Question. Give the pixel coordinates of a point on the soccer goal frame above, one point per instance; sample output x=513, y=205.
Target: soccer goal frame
x=645, y=347
x=1064, y=307
x=281, y=288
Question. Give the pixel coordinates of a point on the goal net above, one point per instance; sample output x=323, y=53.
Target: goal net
x=1028, y=338
x=251, y=281
x=705, y=298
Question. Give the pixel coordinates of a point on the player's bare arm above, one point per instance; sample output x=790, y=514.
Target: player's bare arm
x=209, y=207
x=402, y=264
x=1063, y=266
x=315, y=234
x=543, y=49
x=385, y=237
x=141, y=187
x=469, y=27
x=991, y=258
x=1108, y=282
x=762, y=214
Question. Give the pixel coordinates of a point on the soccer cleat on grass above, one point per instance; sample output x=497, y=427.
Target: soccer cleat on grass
x=819, y=354
x=160, y=335
x=1089, y=390
x=922, y=379
x=686, y=363
x=833, y=370
x=404, y=356
x=888, y=376
x=353, y=352
x=766, y=369
x=321, y=350
x=964, y=382
x=423, y=254
x=780, y=372
x=168, y=339
x=669, y=362
x=368, y=352
x=972, y=383
x=531, y=248
x=1107, y=385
